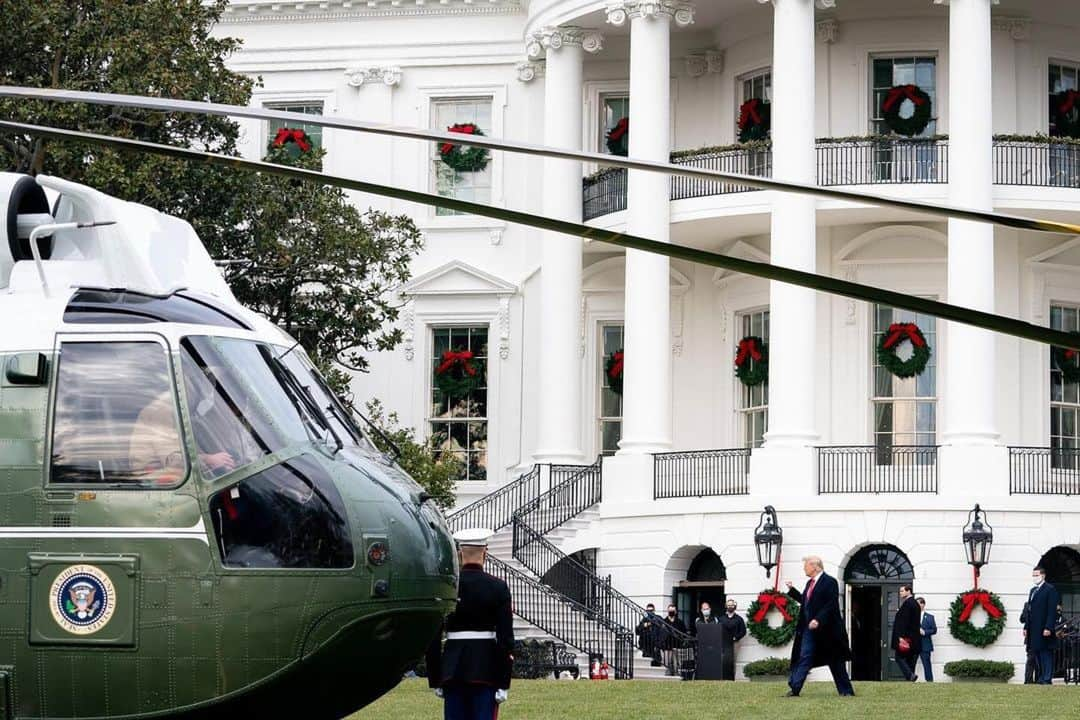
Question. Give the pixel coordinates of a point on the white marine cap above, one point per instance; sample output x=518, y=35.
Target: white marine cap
x=473, y=537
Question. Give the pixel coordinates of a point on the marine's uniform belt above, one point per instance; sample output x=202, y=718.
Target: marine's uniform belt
x=471, y=635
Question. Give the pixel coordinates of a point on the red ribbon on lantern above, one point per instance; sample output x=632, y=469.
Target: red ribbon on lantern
x=978, y=597
x=750, y=111
x=621, y=128
x=465, y=129
x=451, y=358
x=899, y=94
x=748, y=347
x=295, y=135
x=899, y=331
x=1069, y=102
x=617, y=365
x=767, y=601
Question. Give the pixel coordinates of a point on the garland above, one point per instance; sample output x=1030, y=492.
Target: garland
x=456, y=375
x=464, y=159
x=752, y=361
x=1067, y=114
x=960, y=617
x=1066, y=361
x=757, y=618
x=920, y=118
x=618, y=138
x=291, y=135
x=613, y=368
x=890, y=341
x=755, y=120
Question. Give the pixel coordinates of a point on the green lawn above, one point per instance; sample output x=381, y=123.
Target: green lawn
x=645, y=700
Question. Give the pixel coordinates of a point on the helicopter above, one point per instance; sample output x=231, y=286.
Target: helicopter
x=194, y=525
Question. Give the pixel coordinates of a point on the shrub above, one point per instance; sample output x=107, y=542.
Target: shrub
x=980, y=669
x=768, y=666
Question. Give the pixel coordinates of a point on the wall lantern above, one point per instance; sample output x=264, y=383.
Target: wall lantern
x=978, y=537
x=768, y=538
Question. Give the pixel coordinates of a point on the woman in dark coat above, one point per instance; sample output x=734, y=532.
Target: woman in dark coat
x=906, y=625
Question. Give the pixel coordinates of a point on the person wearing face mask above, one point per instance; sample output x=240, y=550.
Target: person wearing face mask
x=705, y=615
x=1039, y=624
x=674, y=628
x=647, y=631
x=734, y=631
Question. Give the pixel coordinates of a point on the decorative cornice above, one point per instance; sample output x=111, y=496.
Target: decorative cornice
x=356, y=76
x=828, y=31
x=946, y=2
x=699, y=62
x=251, y=11
x=619, y=11
x=552, y=38
x=529, y=71
x=819, y=4
x=1019, y=28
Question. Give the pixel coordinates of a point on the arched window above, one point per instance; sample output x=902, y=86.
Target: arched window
x=879, y=563
x=707, y=567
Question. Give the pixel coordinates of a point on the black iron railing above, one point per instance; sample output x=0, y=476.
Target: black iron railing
x=701, y=473
x=1067, y=651
x=571, y=622
x=574, y=488
x=1044, y=471
x=1042, y=164
x=877, y=469
x=755, y=161
x=496, y=510
x=883, y=161
x=604, y=193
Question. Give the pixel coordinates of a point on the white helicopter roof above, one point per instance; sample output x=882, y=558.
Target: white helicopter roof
x=121, y=247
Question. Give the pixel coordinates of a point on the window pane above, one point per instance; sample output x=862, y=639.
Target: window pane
x=459, y=397
x=313, y=132
x=116, y=416
x=473, y=186
x=610, y=402
x=753, y=401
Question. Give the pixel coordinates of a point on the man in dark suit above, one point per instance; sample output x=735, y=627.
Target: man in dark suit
x=927, y=630
x=472, y=671
x=906, y=638
x=1039, y=626
x=820, y=636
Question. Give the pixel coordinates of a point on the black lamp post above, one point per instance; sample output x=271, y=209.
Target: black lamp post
x=768, y=538
x=978, y=537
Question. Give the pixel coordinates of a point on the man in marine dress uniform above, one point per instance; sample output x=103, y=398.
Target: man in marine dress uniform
x=472, y=671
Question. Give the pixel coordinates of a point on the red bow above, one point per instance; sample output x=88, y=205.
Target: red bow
x=616, y=365
x=899, y=331
x=295, y=135
x=464, y=128
x=451, y=358
x=1067, y=104
x=1070, y=354
x=899, y=93
x=621, y=128
x=750, y=111
x=748, y=347
x=768, y=600
x=982, y=598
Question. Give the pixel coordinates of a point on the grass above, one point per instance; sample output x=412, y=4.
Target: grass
x=645, y=700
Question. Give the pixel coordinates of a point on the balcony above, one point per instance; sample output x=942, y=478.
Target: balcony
x=701, y=473
x=1044, y=471
x=877, y=469
x=882, y=160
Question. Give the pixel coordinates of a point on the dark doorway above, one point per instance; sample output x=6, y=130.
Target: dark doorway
x=874, y=576
x=704, y=582
x=1062, y=565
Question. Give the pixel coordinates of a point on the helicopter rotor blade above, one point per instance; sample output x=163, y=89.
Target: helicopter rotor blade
x=830, y=193
x=824, y=283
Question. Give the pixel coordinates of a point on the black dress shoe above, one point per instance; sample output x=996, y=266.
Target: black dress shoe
x=792, y=693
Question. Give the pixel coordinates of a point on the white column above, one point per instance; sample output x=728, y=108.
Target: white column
x=646, y=423
x=559, y=438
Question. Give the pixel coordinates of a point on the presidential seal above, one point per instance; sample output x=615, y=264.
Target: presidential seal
x=82, y=599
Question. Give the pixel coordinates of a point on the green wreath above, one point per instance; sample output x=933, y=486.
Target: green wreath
x=613, y=368
x=752, y=361
x=456, y=375
x=755, y=119
x=757, y=623
x=1066, y=112
x=960, y=617
x=1066, y=360
x=891, y=340
x=920, y=118
x=618, y=138
x=460, y=158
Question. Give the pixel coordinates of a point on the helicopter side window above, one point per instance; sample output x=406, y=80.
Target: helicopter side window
x=116, y=416
x=287, y=516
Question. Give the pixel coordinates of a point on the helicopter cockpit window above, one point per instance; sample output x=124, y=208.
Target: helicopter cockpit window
x=116, y=416
x=243, y=404
x=287, y=516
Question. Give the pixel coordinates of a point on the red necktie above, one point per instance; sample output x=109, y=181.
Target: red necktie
x=810, y=590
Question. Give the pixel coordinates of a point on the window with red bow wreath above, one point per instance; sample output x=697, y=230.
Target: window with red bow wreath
x=1066, y=112
x=757, y=618
x=460, y=158
x=890, y=341
x=618, y=138
x=291, y=136
x=920, y=116
x=456, y=375
x=960, y=624
x=752, y=361
x=755, y=120
x=1065, y=360
x=613, y=368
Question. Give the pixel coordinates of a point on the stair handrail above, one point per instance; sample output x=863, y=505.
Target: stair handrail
x=496, y=510
x=584, y=487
